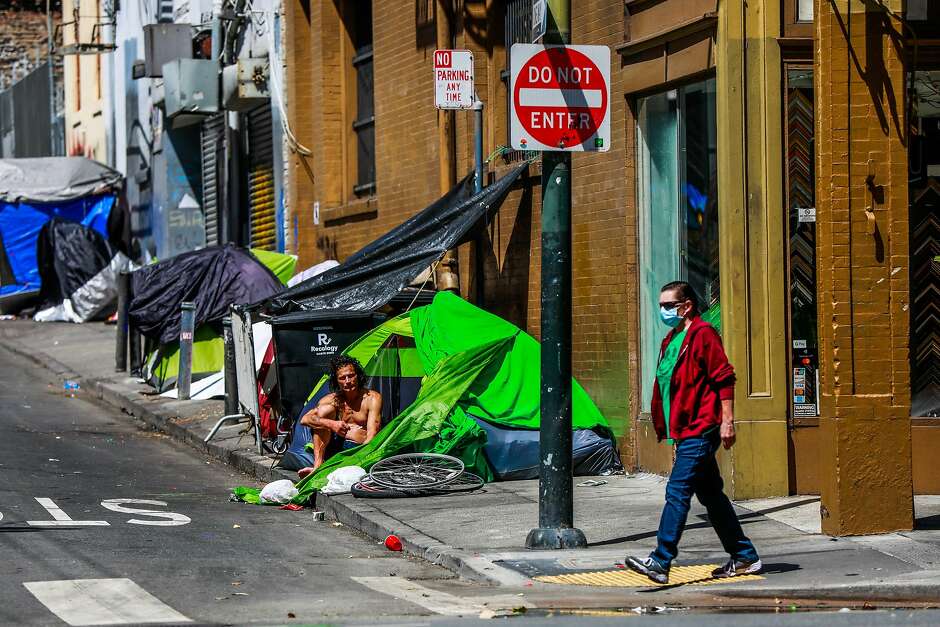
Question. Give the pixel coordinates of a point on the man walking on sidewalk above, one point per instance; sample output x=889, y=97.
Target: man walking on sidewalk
x=693, y=406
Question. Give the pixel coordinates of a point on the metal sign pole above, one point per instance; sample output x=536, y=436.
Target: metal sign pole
x=187, y=329
x=556, y=504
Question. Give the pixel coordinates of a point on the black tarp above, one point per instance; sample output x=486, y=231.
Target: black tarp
x=371, y=277
x=76, y=264
x=213, y=278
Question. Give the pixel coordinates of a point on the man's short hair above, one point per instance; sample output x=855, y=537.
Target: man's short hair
x=341, y=361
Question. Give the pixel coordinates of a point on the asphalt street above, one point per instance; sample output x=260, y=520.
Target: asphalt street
x=212, y=561
x=105, y=522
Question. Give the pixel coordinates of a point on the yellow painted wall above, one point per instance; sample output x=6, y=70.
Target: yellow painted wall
x=84, y=84
x=752, y=240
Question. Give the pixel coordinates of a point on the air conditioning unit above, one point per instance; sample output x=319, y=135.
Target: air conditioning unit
x=163, y=43
x=246, y=84
x=191, y=89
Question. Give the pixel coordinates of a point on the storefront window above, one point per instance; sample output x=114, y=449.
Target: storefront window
x=924, y=197
x=801, y=225
x=804, y=10
x=677, y=200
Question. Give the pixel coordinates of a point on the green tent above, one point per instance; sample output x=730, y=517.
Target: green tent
x=162, y=363
x=281, y=265
x=468, y=363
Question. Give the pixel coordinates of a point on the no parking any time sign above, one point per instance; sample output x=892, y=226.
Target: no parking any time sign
x=453, y=79
x=560, y=98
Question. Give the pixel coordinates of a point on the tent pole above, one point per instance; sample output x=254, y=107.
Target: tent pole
x=556, y=528
x=480, y=243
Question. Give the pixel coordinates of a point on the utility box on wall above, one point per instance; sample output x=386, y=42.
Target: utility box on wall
x=164, y=43
x=191, y=89
x=245, y=84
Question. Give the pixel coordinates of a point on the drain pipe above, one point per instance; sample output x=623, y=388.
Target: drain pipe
x=447, y=273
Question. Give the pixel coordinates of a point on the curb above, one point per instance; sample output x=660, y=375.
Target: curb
x=882, y=591
x=365, y=519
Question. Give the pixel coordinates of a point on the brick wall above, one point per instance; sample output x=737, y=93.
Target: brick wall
x=23, y=44
x=863, y=270
x=407, y=179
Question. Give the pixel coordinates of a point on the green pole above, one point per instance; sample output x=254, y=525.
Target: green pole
x=556, y=528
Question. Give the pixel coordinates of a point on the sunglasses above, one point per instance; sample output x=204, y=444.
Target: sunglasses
x=672, y=303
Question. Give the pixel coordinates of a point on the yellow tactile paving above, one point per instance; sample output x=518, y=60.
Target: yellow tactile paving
x=624, y=578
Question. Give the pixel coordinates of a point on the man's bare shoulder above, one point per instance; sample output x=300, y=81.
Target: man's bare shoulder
x=329, y=399
x=372, y=396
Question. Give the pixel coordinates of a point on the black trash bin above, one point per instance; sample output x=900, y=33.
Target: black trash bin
x=304, y=344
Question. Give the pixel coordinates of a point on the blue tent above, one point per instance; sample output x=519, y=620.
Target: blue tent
x=32, y=192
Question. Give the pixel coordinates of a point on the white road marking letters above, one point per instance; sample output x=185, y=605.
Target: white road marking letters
x=60, y=518
x=102, y=602
x=440, y=602
x=172, y=519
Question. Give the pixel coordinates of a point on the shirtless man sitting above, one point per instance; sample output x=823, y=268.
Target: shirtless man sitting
x=351, y=415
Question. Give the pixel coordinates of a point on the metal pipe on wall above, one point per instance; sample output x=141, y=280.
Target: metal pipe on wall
x=448, y=277
x=51, y=78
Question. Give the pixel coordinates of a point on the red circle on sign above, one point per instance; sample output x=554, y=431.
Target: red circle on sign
x=560, y=97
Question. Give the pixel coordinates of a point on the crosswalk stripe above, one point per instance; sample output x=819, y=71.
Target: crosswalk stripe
x=440, y=602
x=102, y=602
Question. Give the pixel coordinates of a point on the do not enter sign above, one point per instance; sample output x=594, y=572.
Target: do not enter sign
x=560, y=97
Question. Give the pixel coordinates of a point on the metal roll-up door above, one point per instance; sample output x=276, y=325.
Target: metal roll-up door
x=261, y=197
x=213, y=153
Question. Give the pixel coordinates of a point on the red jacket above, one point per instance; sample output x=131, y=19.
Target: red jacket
x=701, y=379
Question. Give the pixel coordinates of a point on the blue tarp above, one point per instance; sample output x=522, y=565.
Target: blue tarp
x=20, y=224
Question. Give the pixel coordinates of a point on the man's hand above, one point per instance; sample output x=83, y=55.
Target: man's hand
x=340, y=428
x=727, y=423
x=727, y=434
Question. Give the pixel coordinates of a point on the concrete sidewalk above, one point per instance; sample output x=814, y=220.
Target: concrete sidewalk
x=480, y=535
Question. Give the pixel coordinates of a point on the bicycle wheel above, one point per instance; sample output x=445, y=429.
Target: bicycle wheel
x=466, y=482
x=368, y=489
x=416, y=470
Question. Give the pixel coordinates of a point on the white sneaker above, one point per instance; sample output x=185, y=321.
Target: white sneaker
x=736, y=568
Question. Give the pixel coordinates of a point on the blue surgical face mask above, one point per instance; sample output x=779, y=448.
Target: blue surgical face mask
x=670, y=317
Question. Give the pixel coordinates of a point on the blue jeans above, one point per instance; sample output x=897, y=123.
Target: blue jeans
x=695, y=471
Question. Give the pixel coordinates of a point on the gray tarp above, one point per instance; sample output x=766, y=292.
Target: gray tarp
x=54, y=179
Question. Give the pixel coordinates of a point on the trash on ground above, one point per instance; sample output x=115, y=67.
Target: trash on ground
x=71, y=385
x=592, y=483
x=341, y=480
x=280, y=491
x=292, y=507
x=393, y=543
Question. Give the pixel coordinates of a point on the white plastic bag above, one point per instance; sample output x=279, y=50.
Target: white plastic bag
x=341, y=480
x=281, y=491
